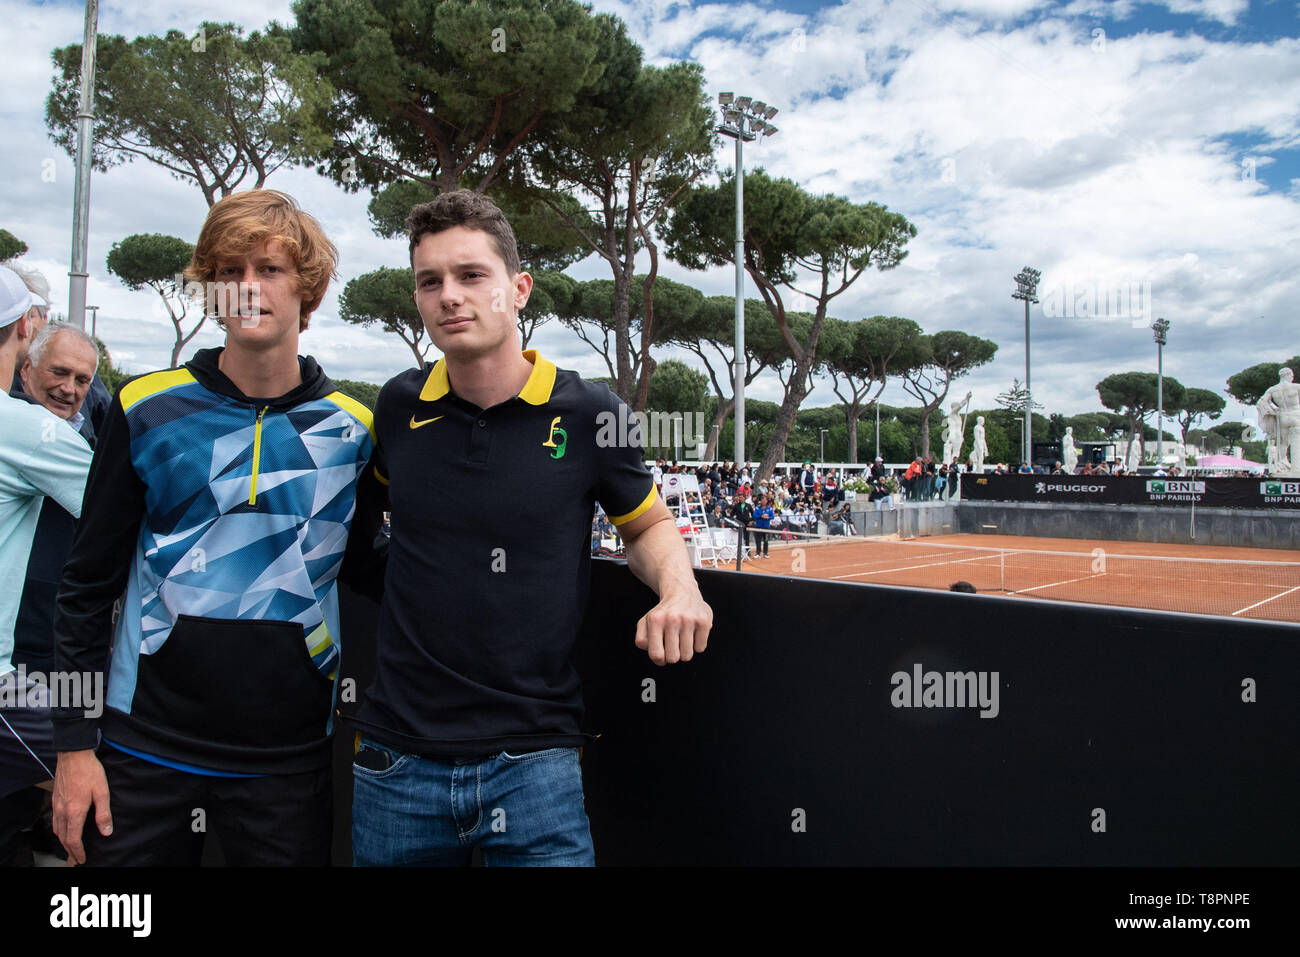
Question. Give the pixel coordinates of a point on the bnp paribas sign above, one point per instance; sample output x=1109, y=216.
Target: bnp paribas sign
x=1280, y=493
x=1279, y=488
x=1175, y=489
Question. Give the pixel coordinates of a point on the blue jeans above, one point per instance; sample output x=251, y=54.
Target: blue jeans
x=520, y=810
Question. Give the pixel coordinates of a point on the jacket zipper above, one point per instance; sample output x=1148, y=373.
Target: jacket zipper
x=257, y=455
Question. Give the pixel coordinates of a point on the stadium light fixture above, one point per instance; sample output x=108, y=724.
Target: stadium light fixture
x=77, y=271
x=743, y=119
x=1027, y=289
x=1161, y=329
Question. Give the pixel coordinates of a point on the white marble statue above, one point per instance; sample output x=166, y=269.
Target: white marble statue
x=980, y=448
x=954, y=430
x=1279, y=418
x=1069, y=454
x=1134, y=457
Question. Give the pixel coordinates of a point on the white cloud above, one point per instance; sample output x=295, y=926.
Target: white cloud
x=1111, y=9
x=1225, y=11
x=993, y=9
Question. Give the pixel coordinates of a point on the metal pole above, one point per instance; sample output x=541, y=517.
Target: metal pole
x=1160, y=404
x=81, y=194
x=1029, y=398
x=877, y=425
x=739, y=358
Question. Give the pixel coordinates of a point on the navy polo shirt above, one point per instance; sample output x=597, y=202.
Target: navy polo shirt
x=489, y=561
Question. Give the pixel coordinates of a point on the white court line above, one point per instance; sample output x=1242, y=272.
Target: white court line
x=861, y=562
x=1021, y=591
x=908, y=568
x=1266, y=600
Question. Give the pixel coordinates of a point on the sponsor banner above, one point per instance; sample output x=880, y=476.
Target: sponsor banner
x=1133, y=490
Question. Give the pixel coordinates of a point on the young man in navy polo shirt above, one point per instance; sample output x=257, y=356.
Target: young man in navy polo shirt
x=471, y=726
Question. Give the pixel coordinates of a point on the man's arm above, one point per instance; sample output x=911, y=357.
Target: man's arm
x=93, y=577
x=677, y=627
x=365, y=559
x=58, y=464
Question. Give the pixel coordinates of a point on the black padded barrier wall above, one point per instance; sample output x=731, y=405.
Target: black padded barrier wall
x=1116, y=737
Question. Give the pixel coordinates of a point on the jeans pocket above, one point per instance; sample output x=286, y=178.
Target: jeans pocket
x=397, y=760
x=509, y=758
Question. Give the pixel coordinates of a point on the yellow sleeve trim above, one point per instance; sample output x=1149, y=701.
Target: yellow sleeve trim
x=639, y=510
x=353, y=408
x=152, y=384
x=379, y=475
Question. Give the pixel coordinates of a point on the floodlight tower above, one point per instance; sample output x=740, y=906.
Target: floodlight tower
x=743, y=118
x=1027, y=289
x=77, y=274
x=1161, y=329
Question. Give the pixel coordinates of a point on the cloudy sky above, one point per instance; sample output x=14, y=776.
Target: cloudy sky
x=1152, y=148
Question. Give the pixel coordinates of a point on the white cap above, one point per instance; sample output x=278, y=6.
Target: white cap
x=15, y=298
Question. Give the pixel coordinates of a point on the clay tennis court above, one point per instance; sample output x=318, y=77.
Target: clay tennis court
x=1208, y=580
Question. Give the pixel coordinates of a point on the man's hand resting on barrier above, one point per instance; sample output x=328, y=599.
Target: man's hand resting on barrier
x=678, y=627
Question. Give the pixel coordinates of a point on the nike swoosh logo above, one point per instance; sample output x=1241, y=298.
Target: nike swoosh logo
x=416, y=425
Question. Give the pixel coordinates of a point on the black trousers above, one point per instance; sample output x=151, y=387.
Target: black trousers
x=18, y=812
x=161, y=816
x=760, y=540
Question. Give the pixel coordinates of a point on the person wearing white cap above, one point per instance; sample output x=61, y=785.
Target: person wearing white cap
x=95, y=405
x=37, y=313
x=39, y=456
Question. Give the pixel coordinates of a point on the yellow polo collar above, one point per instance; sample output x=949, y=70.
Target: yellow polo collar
x=536, y=391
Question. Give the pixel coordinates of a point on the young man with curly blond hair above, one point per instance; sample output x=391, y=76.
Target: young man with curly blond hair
x=217, y=509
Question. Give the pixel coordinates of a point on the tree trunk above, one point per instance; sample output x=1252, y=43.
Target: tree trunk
x=624, y=384
x=647, y=331
x=419, y=356
x=795, y=393
x=725, y=408
x=854, y=412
